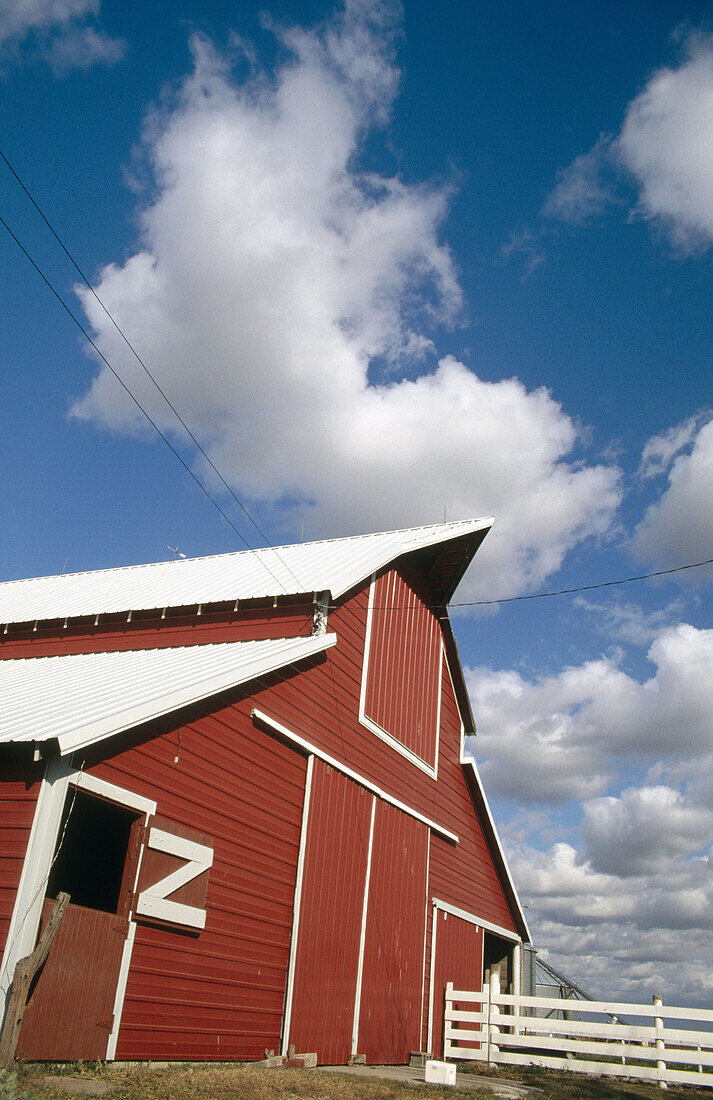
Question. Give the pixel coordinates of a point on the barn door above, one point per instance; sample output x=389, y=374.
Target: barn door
x=69, y=1014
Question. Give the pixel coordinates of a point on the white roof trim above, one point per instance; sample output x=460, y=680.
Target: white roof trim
x=332, y=565
x=84, y=698
x=468, y=761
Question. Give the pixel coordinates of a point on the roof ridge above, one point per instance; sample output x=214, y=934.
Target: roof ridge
x=242, y=553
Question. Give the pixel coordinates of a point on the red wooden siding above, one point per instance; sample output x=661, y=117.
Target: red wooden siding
x=331, y=916
x=464, y=874
x=459, y=959
x=19, y=787
x=392, y=982
x=403, y=666
x=218, y=993
x=147, y=630
x=68, y=1017
x=322, y=705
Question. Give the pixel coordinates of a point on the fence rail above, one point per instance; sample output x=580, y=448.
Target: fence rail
x=588, y=1036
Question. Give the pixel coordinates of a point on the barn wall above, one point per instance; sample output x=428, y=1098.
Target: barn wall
x=322, y=705
x=404, y=664
x=392, y=983
x=459, y=959
x=218, y=993
x=464, y=874
x=331, y=916
x=20, y=781
x=147, y=630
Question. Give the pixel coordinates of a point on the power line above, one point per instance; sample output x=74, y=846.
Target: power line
x=585, y=587
x=132, y=349
x=557, y=592
x=148, y=373
x=135, y=400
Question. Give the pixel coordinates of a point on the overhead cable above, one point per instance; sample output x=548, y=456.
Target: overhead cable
x=146, y=370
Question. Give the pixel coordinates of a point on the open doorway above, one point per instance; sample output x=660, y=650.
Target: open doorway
x=69, y=1014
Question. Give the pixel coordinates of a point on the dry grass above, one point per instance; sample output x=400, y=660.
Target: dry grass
x=250, y=1082
x=561, y=1085
x=235, y=1082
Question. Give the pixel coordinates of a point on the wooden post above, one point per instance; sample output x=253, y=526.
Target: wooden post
x=660, y=1044
x=517, y=981
x=448, y=1004
x=493, y=1028
x=25, y=971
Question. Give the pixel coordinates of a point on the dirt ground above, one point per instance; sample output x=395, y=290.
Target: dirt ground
x=251, y=1082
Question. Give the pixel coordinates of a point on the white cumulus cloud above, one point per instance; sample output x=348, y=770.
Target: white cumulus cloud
x=625, y=906
x=678, y=527
x=666, y=142
x=290, y=304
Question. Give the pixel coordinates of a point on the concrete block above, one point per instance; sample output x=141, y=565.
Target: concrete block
x=440, y=1073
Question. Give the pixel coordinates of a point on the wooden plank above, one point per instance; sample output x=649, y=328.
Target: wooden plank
x=574, y=1046
x=581, y=1028
x=603, y=1069
x=466, y=1036
x=605, y=1008
x=464, y=1054
x=25, y=971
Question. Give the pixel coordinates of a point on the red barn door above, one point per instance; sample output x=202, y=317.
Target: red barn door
x=69, y=1014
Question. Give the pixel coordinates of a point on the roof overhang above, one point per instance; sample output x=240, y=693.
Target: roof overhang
x=485, y=816
x=81, y=699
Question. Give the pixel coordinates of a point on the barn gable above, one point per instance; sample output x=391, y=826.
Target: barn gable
x=304, y=855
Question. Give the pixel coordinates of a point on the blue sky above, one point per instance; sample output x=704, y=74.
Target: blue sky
x=391, y=263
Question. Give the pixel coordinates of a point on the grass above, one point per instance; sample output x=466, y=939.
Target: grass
x=565, y=1085
x=250, y=1082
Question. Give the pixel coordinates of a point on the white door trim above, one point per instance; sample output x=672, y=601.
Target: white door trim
x=302, y=855
x=362, y=937
x=60, y=773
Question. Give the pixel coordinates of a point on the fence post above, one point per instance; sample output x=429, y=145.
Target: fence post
x=660, y=1044
x=493, y=1028
x=446, y=1021
x=517, y=982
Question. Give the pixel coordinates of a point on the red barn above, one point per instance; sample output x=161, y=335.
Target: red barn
x=247, y=771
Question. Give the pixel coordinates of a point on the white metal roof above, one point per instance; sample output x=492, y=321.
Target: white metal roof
x=83, y=698
x=333, y=565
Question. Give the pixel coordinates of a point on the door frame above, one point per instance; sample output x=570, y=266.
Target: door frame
x=60, y=774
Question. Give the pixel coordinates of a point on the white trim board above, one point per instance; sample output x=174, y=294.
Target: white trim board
x=297, y=905
x=374, y=727
x=362, y=934
x=308, y=747
x=22, y=933
x=470, y=762
x=471, y=918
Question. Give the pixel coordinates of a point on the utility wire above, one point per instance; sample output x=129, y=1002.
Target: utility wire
x=197, y=444
x=557, y=592
x=135, y=400
x=146, y=370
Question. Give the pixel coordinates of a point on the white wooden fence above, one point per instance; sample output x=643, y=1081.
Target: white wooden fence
x=663, y=1044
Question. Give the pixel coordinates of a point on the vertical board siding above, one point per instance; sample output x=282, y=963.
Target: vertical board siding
x=389, y=1022
x=463, y=874
x=404, y=664
x=68, y=1017
x=459, y=959
x=330, y=918
x=218, y=994
x=20, y=781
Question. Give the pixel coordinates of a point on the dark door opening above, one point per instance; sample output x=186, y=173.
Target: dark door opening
x=90, y=856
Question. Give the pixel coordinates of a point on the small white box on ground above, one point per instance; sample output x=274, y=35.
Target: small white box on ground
x=440, y=1073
